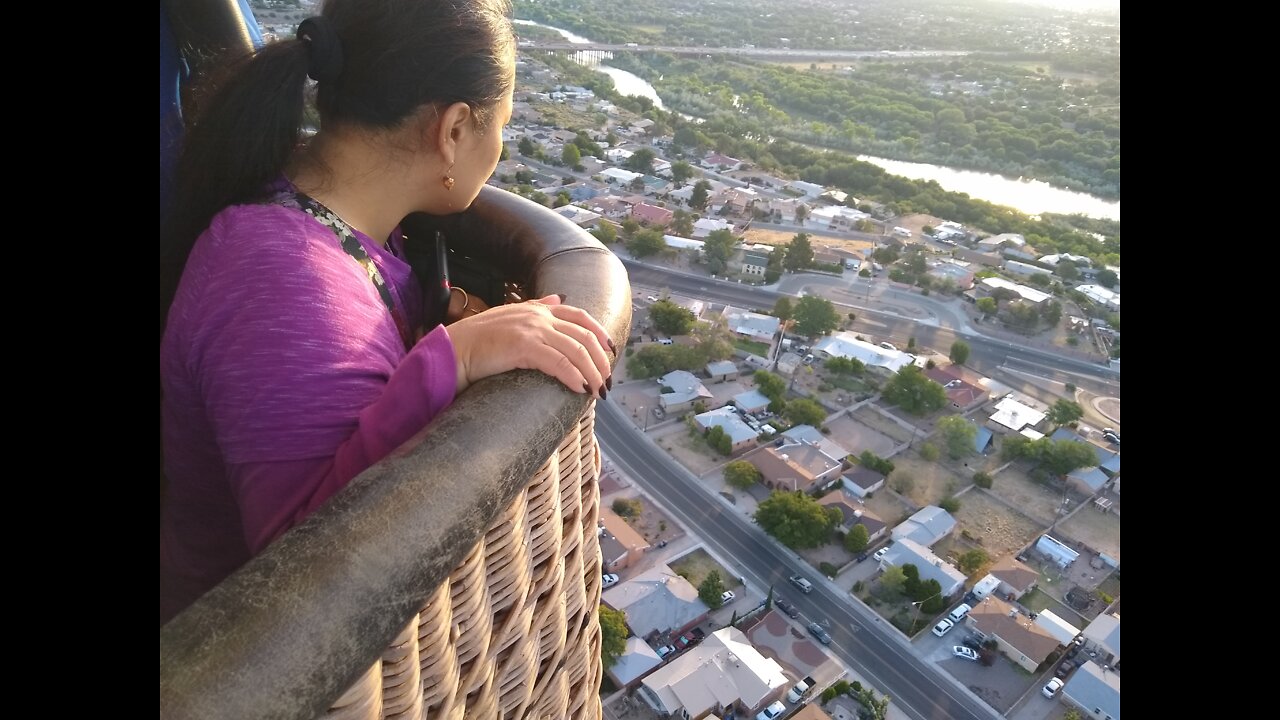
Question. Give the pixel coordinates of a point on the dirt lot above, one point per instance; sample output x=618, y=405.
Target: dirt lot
x=855, y=436
x=695, y=567
x=996, y=528
x=924, y=482
x=1098, y=530
x=652, y=523
x=881, y=424
x=831, y=552
x=693, y=453
x=888, y=507
x=1037, y=501
x=780, y=237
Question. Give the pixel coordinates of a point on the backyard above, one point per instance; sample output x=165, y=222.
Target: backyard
x=1099, y=530
x=874, y=420
x=1035, y=500
x=691, y=452
x=990, y=524
x=651, y=522
x=696, y=565
x=924, y=482
x=855, y=436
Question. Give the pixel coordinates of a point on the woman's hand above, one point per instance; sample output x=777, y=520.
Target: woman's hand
x=560, y=340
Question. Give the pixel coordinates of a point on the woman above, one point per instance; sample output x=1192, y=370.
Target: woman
x=291, y=358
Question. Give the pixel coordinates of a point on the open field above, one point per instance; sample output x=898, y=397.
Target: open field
x=1035, y=500
x=924, y=482
x=1098, y=530
x=994, y=527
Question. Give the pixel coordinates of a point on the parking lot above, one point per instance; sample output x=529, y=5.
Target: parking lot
x=1000, y=685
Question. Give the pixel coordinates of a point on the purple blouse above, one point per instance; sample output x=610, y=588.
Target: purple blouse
x=284, y=377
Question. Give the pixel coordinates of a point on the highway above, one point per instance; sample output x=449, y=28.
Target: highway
x=859, y=638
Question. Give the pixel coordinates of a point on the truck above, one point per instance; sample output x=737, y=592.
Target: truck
x=801, y=689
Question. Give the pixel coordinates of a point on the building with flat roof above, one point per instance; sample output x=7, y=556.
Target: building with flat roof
x=724, y=673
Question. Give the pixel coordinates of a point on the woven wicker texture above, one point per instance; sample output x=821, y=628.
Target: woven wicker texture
x=513, y=633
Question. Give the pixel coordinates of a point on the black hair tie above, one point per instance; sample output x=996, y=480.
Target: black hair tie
x=324, y=49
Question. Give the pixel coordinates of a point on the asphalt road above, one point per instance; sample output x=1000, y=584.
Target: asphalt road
x=859, y=638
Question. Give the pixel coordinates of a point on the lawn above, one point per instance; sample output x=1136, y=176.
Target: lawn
x=695, y=567
x=1038, y=601
x=751, y=346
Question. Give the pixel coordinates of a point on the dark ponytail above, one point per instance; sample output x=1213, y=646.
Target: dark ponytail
x=237, y=141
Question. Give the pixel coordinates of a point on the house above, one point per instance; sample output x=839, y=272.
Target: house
x=733, y=201
x=1103, y=637
x=651, y=215
x=788, y=364
x=808, y=189
x=995, y=241
x=751, y=401
x=716, y=161
x=722, y=370
x=826, y=257
x=1062, y=631
x=755, y=262
x=862, y=481
x=847, y=345
x=974, y=256
x=678, y=243
x=620, y=545
x=1101, y=296
x=634, y=663
x=661, y=167
x=591, y=164
x=837, y=197
x=781, y=209
x=931, y=567
x=580, y=192
x=657, y=601
x=703, y=227
x=962, y=277
x=618, y=176
x=927, y=526
x=834, y=217
x=577, y=215
x=1031, y=295
x=796, y=466
x=680, y=390
x=722, y=674
x=1017, y=635
x=610, y=206
x=617, y=155
x=654, y=185
x=854, y=514
x=810, y=434
x=1056, y=551
x=741, y=436
x=751, y=324
x=1011, y=415
x=1025, y=269
x=1087, y=480
x=812, y=711
x=1095, y=690
x=642, y=125
x=964, y=396
x=1016, y=579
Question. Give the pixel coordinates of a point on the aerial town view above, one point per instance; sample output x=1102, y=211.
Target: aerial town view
x=860, y=457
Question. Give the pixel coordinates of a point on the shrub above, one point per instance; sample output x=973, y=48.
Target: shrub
x=950, y=504
x=982, y=480
x=903, y=483
x=929, y=452
x=828, y=569
x=828, y=695
x=630, y=352
x=858, y=586
x=628, y=507
x=857, y=686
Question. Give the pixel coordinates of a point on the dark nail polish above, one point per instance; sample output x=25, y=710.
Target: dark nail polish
x=586, y=388
x=562, y=296
x=608, y=382
x=612, y=347
x=603, y=392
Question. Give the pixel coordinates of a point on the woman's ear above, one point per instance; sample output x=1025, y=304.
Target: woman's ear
x=454, y=123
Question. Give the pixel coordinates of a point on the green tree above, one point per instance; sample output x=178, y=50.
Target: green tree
x=856, y=539
x=670, y=318
x=950, y=504
x=718, y=248
x=714, y=340
x=772, y=387
x=641, y=161
x=959, y=352
x=505, y=154
x=613, y=634
x=646, y=242
x=741, y=474
x=934, y=601
x=799, y=253
x=1108, y=278
x=681, y=171
x=958, y=434
x=1051, y=312
x=872, y=461
x=636, y=184
x=815, y=316
x=605, y=232
x=710, y=589
x=795, y=519
x=1063, y=456
x=1065, y=412
x=982, y=480
x=562, y=197
x=988, y=306
x=527, y=148
x=720, y=441
x=571, y=155
x=630, y=227
x=910, y=390
x=681, y=223
x=845, y=366
x=804, y=411
x=929, y=451
x=628, y=507
x=893, y=580
x=972, y=560
x=783, y=309
x=700, y=193
x=802, y=212
x=912, y=586
x=773, y=270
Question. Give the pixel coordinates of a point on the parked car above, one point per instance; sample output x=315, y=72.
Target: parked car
x=690, y=638
x=888, y=346
x=610, y=579
x=961, y=651
x=666, y=650
x=943, y=627
x=863, y=556
x=786, y=607
x=819, y=632
x=727, y=597
x=1052, y=687
x=881, y=553
x=771, y=712
x=972, y=643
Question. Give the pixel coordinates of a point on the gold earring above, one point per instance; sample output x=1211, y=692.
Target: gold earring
x=448, y=182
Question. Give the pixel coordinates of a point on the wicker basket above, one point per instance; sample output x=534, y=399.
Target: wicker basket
x=513, y=632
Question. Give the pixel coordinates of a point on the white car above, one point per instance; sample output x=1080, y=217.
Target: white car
x=961, y=651
x=727, y=597
x=771, y=712
x=666, y=650
x=651, y=298
x=880, y=553
x=943, y=627
x=888, y=346
x=610, y=579
x=1052, y=687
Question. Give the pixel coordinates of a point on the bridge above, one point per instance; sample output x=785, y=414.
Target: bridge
x=776, y=53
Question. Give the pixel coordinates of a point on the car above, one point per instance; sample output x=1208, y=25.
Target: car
x=651, y=298
x=881, y=553
x=1111, y=437
x=610, y=579
x=665, y=341
x=888, y=346
x=666, y=650
x=967, y=653
x=863, y=556
x=1052, y=687
x=943, y=627
x=819, y=632
x=805, y=586
x=974, y=643
x=786, y=607
x=771, y=712
x=727, y=597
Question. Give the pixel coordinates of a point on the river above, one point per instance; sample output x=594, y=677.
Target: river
x=1029, y=196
